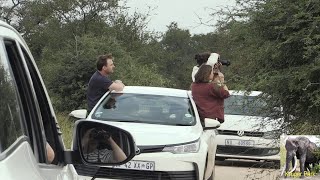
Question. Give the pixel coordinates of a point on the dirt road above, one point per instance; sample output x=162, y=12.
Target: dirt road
x=245, y=170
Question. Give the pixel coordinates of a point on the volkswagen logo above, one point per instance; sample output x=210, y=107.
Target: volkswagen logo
x=240, y=133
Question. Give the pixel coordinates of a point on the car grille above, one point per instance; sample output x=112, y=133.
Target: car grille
x=247, y=151
x=104, y=172
x=235, y=133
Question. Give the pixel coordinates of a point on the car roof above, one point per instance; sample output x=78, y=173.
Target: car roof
x=2, y=23
x=154, y=91
x=8, y=31
x=246, y=93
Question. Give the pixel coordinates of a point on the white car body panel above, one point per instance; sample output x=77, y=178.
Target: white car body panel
x=247, y=123
x=149, y=134
x=154, y=90
x=20, y=164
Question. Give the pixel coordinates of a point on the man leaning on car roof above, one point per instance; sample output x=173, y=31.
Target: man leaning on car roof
x=100, y=82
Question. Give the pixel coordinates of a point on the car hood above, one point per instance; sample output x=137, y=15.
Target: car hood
x=155, y=134
x=250, y=123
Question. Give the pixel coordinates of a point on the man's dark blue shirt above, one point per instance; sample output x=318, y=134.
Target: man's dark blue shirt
x=98, y=86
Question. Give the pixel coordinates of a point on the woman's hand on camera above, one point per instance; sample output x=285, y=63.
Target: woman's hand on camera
x=221, y=77
x=217, y=65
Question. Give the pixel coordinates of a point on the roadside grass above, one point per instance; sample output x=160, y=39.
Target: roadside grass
x=66, y=126
x=282, y=156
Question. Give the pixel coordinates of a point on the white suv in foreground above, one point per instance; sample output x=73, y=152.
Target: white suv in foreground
x=28, y=122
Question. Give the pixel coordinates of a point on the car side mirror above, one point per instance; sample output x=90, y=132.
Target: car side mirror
x=79, y=114
x=103, y=144
x=211, y=124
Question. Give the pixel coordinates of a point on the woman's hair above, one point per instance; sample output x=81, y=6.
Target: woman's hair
x=202, y=58
x=203, y=74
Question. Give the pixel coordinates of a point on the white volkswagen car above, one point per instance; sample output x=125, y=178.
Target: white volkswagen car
x=248, y=132
x=167, y=130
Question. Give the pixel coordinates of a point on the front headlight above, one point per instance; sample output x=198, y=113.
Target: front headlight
x=184, y=148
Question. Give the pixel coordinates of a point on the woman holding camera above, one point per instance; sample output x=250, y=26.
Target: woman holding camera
x=209, y=92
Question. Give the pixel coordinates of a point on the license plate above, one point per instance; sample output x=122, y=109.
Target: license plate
x=236, y=142
x=138, y=165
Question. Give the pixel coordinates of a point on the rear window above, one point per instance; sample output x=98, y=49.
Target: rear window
x=141, y=108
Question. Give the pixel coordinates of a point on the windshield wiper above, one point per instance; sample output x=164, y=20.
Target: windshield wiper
x=132, y=121
x=150, y=122
x=180, y=124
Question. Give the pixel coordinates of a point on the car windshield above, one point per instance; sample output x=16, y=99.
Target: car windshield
x=142, y=108
x=244, y=105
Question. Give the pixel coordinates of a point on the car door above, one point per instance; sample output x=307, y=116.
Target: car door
x=18, y=157
x=27, y=113
x=47, y=119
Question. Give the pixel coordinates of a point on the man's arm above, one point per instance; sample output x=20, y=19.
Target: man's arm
x=117, y=86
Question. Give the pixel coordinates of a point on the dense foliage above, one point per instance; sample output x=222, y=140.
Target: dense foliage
x=273, y=45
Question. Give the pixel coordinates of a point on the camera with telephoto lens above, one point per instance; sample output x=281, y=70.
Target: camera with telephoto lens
x=210, y=59
x=100, y=134
x=214, y=58
x=224, y=62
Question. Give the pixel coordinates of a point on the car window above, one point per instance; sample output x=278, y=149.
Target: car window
x=244, y=105
x=10, y=105
x=47, y=114
x=28, y=107
x=143, y=108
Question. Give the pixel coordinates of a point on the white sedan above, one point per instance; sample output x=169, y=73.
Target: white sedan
x=167, y=130
x=248, y=132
